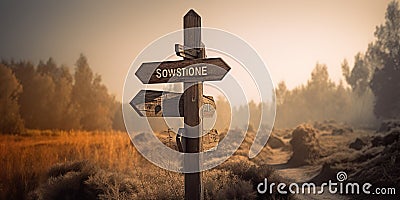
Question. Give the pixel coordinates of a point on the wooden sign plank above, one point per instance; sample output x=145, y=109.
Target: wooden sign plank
x=194, y=70
x=147, y=103
x=153, y=103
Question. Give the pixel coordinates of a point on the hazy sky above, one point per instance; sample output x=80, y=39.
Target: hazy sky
x=290, y=36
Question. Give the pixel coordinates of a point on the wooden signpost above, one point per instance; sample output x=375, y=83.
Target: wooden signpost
x=192, y=71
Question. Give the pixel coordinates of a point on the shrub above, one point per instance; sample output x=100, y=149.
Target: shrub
x=82, y=180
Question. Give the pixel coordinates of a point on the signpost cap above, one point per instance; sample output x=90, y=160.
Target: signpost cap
x=192, y=12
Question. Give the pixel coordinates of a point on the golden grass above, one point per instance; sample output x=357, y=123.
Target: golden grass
x=25, y=159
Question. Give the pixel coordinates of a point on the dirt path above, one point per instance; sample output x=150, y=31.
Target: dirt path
x=304, y=174
x=300, y=175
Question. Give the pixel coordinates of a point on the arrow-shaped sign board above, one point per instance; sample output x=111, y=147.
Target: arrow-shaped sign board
x=196, y=70
x=151, y=103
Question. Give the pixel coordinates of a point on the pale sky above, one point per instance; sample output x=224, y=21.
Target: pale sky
x=290, y=36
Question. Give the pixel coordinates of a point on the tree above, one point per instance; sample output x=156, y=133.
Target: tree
x=61, y=111
x=49, y=68
x=385, y=51
x=319, y=76
x=10, y=89
x=93, y=103
x=281, y=93
x=37, y=98
x=318, y=94
x=37, y=95
x=320, y=99
x=54, y=99
x=359, y=77
x=67, y=110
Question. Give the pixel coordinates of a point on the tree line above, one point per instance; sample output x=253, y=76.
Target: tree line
x=49, y=96
x=368, y=93
x=371, y=91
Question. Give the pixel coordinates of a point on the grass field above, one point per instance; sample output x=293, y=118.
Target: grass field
x=105, y=165
x=26, y=158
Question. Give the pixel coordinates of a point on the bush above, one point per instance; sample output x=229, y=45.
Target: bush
x=305, y=145
x=82, y=180
x=222, y=184
x=252, y=174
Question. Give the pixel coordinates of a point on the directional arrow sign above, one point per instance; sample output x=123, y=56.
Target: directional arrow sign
x=196, y=70
x=151, y=103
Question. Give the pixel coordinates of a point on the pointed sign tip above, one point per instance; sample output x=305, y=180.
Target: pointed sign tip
x=192, y=12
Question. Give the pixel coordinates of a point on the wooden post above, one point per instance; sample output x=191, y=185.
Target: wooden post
x=192, y=104
x=149, y=73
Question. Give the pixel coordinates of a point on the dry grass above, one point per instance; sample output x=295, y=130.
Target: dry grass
x=25, y=159
x=105, y=165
